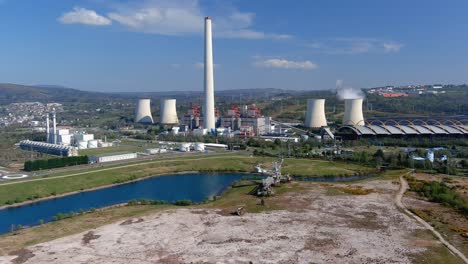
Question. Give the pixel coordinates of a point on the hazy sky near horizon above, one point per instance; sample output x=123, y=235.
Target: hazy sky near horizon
x=157, y=45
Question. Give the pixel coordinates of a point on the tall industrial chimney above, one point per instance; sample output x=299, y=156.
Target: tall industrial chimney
x=353, y=112
x=143, y=112
x=48, y=128
x=54, y=120
x=315, y=116
x=209, y=108
x=168, y=112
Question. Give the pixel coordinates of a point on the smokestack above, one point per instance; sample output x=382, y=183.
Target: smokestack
x=168, y=112
x=54, y=120
x=208, y=109
x=353, y=112
x=315, y=116
x=47, y=128
x=143, y=112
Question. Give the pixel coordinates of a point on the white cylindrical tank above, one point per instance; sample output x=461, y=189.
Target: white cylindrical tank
x=315, y=115
x=143, y=112
x=93, y=143
x=200, y=147
x=168, y=112
x=175, y=130
x=82, y=144
x=353, y=112
x=430, y=156
x=209, y=121
x=185, y=147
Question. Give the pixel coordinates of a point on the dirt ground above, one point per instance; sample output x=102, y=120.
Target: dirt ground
x=320, y=224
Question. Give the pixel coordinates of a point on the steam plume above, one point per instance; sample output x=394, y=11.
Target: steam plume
x=343, y=92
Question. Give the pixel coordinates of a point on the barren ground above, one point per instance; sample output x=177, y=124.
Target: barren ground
x=318, y=224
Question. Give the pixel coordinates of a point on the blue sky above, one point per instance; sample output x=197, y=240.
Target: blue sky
x=157, y=45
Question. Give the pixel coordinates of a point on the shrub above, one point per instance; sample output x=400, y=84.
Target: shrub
x=183, y=202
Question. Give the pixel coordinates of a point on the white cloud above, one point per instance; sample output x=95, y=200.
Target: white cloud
x=85, y=16
x=392, y=47
x=286, y=64
x=187, y=17
x=353, y=46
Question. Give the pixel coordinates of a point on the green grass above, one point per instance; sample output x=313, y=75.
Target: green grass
x=76, y=181
x=304, y=167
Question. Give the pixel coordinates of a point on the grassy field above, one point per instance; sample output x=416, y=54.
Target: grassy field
x=301, y=167
x=82, y=180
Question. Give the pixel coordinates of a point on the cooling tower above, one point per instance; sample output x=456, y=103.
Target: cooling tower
x=168, y=112
x=209, y=107
x=353, y=112
x=143, y=112
x=315, y=116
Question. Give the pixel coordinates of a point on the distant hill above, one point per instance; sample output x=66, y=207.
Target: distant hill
x=15, y=93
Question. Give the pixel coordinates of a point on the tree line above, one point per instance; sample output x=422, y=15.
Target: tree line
x=33, y=165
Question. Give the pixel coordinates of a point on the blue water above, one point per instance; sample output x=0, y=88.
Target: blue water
x=195, y=187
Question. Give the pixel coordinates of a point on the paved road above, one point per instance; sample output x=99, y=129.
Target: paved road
x=399, y=196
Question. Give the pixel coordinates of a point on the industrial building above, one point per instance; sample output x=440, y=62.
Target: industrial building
x=248, y=121
x=111, y=158
x=403, y=129
x=53, y=149
x=143, y=112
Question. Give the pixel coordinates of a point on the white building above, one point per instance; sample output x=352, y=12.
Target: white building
x=111, y=158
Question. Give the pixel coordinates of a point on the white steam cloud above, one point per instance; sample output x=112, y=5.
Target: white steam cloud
x=343, y=92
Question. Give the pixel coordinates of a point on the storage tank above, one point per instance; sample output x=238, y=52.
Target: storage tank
x=315, y=115
x=143, y=112
x=185, y=147
x=200, y=147
x=168, y=112
x=82, y=144
x=93, y=143
x=353, y=112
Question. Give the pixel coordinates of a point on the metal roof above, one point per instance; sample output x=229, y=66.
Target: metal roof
x=408, y=130
x=450, y=129
x=364, y=130
x=394, y=130
x=421, y=129
x=436, y=130
x=379, y=130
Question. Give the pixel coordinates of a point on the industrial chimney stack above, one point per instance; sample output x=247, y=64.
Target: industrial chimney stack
x=353, y=112
x=315, y=116
x=48, y=128
x=54, y=120
x=209, y=109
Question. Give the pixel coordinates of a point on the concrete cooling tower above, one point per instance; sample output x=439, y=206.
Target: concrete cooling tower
x=315, y=116
x=353, y=112
x=168, y=112
x=143, y=112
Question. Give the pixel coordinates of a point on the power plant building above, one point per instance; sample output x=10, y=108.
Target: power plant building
x=315, y=115
x=143, y=112
x=168, y=112
x=53, y=149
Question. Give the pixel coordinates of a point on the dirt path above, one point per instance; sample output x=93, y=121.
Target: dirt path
x=399, y=196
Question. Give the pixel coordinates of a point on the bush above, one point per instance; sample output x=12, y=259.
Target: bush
x=183, y=202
